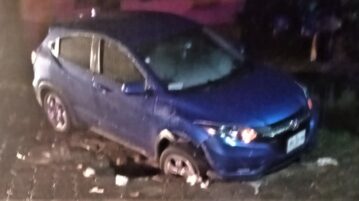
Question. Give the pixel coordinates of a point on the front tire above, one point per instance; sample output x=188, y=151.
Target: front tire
x=57, y=112
x=182, y=160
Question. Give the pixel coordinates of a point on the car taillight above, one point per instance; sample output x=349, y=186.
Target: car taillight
x=33, y=57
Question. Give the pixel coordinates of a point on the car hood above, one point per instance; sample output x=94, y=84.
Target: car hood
x=256, y=98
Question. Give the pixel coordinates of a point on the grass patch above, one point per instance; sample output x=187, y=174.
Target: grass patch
x=342, y=145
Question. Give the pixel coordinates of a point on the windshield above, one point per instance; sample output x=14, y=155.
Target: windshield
x=191, y=59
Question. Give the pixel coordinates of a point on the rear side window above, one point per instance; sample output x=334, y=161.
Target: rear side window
x=76, y=50
x=117, y=66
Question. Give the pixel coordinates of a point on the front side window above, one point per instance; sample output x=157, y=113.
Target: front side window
x=117, y=65
x=76, y=50
x=190, y=59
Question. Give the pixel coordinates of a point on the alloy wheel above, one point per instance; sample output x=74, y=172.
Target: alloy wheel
x=178, y=165
x=56, y=112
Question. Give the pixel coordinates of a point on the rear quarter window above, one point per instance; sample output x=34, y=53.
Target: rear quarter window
x=76, y=50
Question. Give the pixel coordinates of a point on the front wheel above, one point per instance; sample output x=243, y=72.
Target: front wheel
x=182, y=161
x=56, y=112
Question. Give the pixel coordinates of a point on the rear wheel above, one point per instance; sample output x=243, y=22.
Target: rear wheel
x=183, y=161
x=56, y=111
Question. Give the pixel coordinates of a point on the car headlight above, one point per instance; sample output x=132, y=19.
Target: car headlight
x=231, y=134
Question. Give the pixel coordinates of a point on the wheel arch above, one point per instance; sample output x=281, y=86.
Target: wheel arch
x=167, y=137
x=195, y=152
x=46, y=86
x=43, y=87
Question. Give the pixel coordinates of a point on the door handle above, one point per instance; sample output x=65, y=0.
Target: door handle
x=103, y=89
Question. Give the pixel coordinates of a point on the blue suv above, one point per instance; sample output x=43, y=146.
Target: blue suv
x=174, y=91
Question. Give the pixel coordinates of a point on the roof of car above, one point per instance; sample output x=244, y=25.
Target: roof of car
x=134, y=28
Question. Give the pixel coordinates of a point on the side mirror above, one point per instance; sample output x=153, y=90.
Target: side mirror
x=134, y=88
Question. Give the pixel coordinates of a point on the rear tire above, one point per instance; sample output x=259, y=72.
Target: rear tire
x=57, y=112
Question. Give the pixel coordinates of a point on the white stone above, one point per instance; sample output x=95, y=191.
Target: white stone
x=121, y=180
x=97, y=190
x=88, y=172
x=326, y=161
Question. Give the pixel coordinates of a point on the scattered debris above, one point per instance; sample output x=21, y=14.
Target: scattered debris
x=20, y=156
x=9, y=192
x=97, y=190
x=135, y=194
x=321, y=162
x=121, y=180
x=46, y=154
x=326, y=161
x=255, y=185
x=79, y=166
x=88, y=172
x=195, y=179
x=192, y=180
x=204, y=184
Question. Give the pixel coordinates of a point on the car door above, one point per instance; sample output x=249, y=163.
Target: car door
x=126, y=115
x=74, y=56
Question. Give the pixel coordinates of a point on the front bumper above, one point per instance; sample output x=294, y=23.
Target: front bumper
x=254, y=160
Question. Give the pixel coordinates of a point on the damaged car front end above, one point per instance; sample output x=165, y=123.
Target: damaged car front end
x=259, y=151
x=246, y=135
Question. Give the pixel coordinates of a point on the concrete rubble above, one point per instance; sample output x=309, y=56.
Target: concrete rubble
x=88, y=172
x=205, y=184
x=20, y=156
x=327, y=161
x=121, y=180
x=96, y=190
x=256, y=186
x=193, y=179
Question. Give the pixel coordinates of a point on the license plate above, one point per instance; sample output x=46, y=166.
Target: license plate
x=296, y=141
